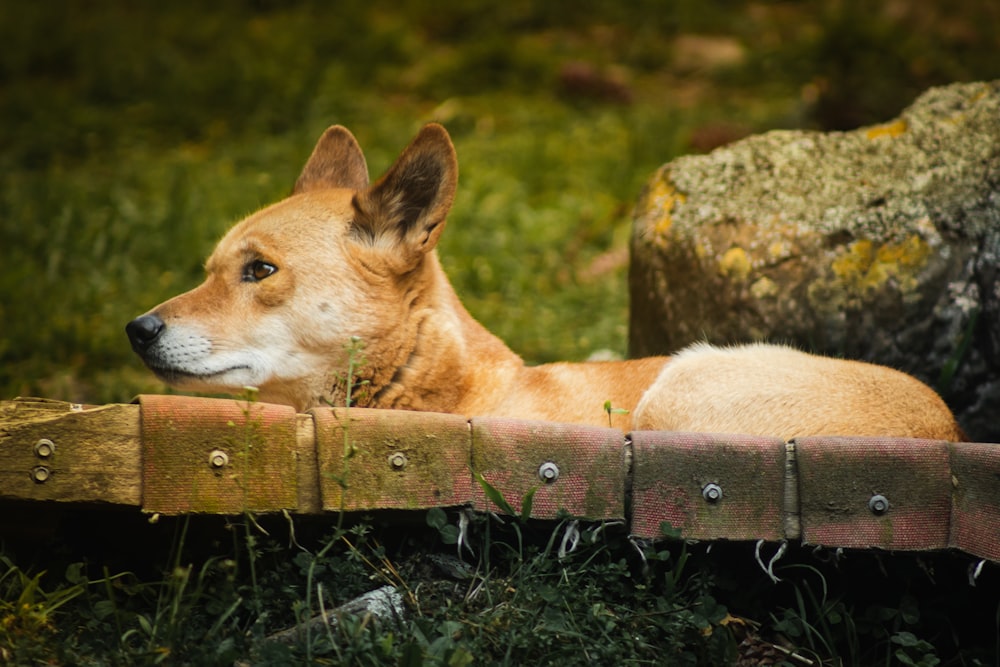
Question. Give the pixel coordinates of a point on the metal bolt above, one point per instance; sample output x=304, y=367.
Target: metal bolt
x=548, y=472
x=397, y=460
x=711, y=492
x=45, y=448
x=218, y=459
x=878, y=504
x=40, y=474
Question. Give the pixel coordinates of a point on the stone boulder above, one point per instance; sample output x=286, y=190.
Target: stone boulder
x=881, y=244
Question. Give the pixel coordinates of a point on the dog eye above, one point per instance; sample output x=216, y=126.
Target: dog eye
x=257, y=270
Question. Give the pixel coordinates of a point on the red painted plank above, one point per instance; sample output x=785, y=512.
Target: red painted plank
x=708, y=486
x=975, y=516
x=392, y=459
x=217, y=455
x=845, y=482
x=578, y=469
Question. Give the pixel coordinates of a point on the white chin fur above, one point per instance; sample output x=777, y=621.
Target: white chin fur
x=185, y=358
x=230, y=379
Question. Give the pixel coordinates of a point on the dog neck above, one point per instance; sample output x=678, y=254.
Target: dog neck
x=436, y=358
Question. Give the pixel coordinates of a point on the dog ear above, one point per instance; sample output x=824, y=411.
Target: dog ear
x=336, y=162
x=407, y=208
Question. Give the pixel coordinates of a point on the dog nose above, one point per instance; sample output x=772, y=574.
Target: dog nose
x=143, y=331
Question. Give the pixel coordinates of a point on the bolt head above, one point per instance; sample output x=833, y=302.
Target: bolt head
x=878, y=504
x=45, y=448
x=40, y=474
x=218, y=459
x=711, y=492
x=397, y=460
x=548, y=472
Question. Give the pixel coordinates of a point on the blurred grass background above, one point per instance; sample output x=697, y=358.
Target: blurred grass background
x=132, y=134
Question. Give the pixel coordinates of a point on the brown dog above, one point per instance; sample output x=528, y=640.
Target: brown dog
x=291, y=286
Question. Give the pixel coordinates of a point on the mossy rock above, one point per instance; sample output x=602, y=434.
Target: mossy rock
x=880, y=244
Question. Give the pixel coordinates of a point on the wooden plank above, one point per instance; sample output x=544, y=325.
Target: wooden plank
x=62, y=452
x=310, y=499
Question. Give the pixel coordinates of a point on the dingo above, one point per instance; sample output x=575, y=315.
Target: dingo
x=291, y=285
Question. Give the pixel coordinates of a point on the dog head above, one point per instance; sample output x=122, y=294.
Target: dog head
x=289, y=287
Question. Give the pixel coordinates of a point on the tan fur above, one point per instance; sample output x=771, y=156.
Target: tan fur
x=290, y=286
x=775, y=390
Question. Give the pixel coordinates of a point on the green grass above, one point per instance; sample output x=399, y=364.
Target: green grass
x=514, y=606
x=212, y=591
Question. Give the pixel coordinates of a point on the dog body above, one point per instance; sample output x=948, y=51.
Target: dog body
x=775, y=390
x=337, y=291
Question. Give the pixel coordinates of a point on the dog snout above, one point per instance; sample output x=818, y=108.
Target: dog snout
x=143, y=331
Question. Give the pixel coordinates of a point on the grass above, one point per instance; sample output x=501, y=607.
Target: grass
x=132, y=136
x=213, y=597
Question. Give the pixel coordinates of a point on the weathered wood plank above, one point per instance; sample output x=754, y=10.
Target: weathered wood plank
x=56, y=451
x=310, y=500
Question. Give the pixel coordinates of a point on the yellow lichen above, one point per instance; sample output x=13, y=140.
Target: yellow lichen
x=854, y=262
x=667, y=198
x=735, y=263
x=891, y=130
x=865, y=267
